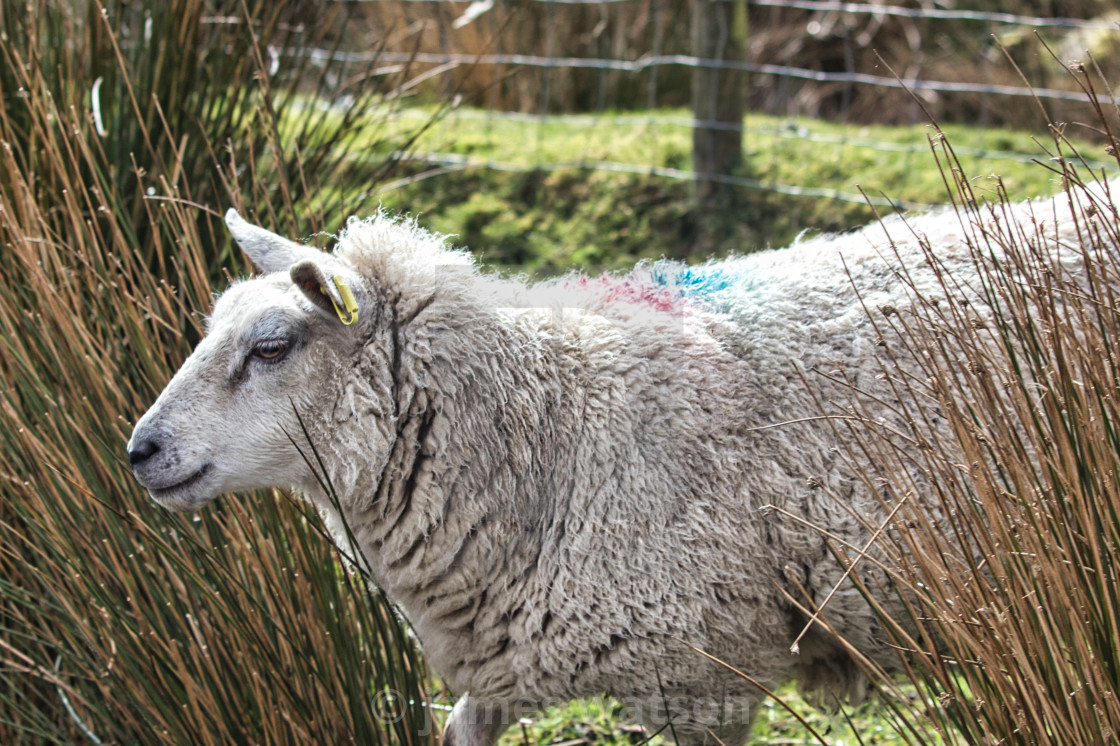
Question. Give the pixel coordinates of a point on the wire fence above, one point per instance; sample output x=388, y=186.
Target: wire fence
x=453, y=61
x=871, y=8
x=548, y=62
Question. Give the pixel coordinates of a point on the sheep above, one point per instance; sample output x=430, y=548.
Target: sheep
x=567, y=488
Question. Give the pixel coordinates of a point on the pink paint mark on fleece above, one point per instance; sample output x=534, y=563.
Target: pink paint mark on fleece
x=628, y=291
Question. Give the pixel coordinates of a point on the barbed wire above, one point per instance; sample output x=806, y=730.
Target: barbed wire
x=932, y=13
x=453, y=60
x=868, y=8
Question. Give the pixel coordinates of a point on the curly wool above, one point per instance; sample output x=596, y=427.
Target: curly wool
x=570, y=487
x=616, y=469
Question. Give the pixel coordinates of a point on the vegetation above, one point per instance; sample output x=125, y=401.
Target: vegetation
x=607, y=190
x=603, y=722
x=121, y=623
x=1006, y=613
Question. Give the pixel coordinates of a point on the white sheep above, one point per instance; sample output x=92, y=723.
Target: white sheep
x=564, y=487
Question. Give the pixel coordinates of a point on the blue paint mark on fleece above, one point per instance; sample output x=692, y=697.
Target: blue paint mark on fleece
x=708, y=283
x=671, y=286
x=704, y=280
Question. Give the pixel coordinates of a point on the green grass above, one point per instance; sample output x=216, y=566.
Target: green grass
x=603, y=722
x=547, y=193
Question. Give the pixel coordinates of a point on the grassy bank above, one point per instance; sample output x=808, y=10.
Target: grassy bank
x=607, y=190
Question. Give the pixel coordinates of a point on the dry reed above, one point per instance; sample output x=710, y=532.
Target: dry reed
x=120, y=623
x=1004, y=551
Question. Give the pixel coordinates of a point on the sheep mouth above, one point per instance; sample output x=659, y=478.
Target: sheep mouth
x=177, y=496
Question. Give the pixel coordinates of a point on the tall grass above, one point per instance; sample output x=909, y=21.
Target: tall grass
x=1007, y=611
x=125, y=129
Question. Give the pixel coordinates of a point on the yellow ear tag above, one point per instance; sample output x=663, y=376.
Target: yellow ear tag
x=348, y=311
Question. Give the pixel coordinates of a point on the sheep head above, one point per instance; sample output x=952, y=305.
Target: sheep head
x=231, y=417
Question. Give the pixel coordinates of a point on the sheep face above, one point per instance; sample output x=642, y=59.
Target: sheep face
x=232, y=417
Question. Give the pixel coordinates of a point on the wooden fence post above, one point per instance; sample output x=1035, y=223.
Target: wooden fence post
x=719, y=32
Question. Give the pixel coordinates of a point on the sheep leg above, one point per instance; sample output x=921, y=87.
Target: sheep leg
x=473, y=724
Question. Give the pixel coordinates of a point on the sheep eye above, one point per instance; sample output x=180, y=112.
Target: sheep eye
x=272, y=349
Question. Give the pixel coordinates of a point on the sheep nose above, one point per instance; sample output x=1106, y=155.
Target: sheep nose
x=141, y=450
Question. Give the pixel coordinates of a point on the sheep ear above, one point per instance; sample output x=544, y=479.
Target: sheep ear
x=270, y=252
x=327, y=290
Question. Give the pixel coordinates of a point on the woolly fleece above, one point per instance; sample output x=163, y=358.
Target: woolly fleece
x=564, y=486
